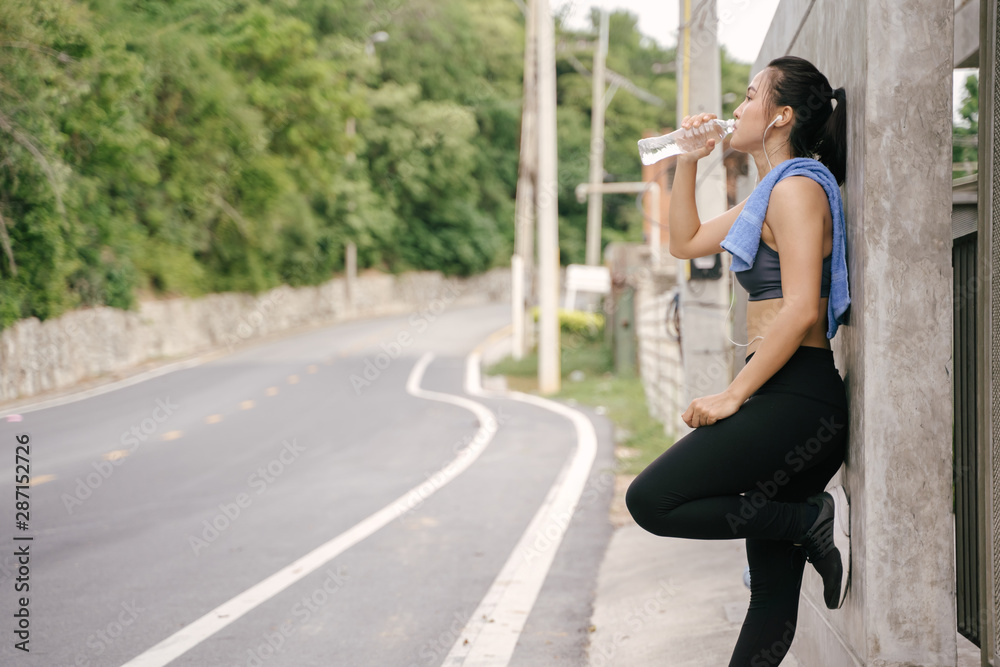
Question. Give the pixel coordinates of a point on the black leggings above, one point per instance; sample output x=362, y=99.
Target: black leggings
x=782, y=446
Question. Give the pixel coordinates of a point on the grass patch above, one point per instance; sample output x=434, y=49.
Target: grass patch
x=587, y=378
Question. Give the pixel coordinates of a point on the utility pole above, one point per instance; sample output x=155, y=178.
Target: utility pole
x=549, y=374
x=703, y=300
x=652, y=188
x=595, y=202
x=524, y=208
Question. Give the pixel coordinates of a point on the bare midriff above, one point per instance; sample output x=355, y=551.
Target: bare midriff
x=760, y=317
x=761, y=314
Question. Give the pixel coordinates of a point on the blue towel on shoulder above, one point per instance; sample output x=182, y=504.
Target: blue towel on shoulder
x=743, y=238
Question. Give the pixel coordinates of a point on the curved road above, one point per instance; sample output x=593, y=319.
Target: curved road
x=306, y=501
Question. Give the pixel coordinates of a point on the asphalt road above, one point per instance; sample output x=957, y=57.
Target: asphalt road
x=156, y=505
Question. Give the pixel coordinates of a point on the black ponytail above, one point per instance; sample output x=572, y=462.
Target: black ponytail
x=820, y=128
x=832, y=145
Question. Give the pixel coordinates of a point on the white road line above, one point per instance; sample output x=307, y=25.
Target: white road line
x=198, y=631
x=489, y=638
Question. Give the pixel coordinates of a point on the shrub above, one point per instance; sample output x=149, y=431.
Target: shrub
x=585, y=325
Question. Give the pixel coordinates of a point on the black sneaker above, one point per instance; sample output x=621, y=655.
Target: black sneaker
x=827, y=544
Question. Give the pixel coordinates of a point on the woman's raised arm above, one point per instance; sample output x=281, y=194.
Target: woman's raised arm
x=687, y=235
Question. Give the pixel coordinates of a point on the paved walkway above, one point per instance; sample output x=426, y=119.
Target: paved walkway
x=660, y=601
x=680, y=603
x=666, y=601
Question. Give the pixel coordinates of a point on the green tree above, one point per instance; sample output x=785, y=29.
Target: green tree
x=195, y=146
x=966, y=132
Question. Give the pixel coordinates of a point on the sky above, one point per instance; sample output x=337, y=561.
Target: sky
x=742, y=34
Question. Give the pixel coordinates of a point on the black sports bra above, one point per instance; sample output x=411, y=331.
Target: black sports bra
x=763, y=279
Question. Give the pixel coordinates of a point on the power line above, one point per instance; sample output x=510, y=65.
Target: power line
x=618, y=80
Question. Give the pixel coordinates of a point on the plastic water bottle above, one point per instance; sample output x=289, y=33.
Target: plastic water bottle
x=654, y=149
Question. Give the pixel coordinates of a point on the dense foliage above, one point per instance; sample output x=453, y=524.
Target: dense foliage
x=194, y=146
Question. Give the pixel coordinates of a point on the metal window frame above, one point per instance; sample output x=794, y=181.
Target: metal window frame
x=965, y=425
x=988, y=304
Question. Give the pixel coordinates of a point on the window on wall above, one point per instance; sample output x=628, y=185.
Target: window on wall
x=965, y=122
x=964, y=216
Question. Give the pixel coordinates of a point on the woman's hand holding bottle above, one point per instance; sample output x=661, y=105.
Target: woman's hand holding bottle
x=696, y=147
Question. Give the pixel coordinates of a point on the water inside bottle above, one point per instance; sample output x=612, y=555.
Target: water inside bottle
x=654, y=149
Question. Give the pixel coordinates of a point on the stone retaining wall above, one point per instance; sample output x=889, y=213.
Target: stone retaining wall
x=38, y=356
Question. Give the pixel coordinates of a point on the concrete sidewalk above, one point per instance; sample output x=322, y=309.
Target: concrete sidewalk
x=666, y=601
x=677, y=603
x=659, y=601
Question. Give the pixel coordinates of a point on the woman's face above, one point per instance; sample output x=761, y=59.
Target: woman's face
x=751, y=116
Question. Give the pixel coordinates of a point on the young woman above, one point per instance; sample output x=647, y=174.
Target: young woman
x=763, y=450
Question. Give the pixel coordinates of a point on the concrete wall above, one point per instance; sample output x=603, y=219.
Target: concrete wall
x=967, y=33
x=36, y=357
x=894, y=58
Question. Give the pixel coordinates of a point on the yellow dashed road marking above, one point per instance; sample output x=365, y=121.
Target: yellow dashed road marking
x=115, y=454
x=172, y=435
x=293, y=379
x=312, y=368
x=246, y=405
x=41, y=479
x=272, y=391
x=213, y=419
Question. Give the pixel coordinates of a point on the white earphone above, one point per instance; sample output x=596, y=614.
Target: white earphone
x=776, y=119
x=732, y=277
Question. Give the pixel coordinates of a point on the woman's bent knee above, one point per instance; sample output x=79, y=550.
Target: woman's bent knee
x=650, y=507
x=638, y=503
